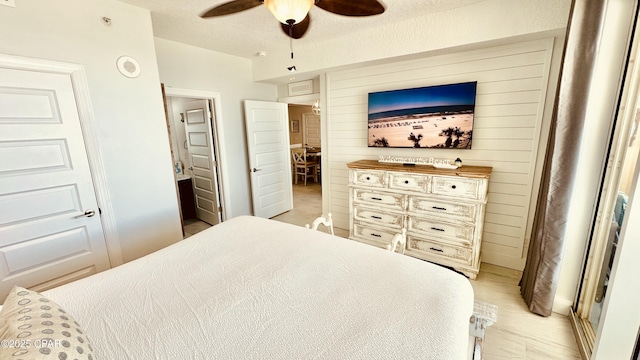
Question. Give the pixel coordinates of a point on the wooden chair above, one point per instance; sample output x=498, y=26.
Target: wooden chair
x=304, y=168
x=293, y=163
x=326, y=221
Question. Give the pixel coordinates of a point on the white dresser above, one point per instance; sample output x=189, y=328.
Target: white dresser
x=442, y=210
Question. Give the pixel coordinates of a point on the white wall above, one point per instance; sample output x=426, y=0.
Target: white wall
x=189, y=67
x=512, y=116
x=473, y=25
x=129, y=117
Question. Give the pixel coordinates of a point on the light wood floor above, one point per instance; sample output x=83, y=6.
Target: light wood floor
x=517, y=334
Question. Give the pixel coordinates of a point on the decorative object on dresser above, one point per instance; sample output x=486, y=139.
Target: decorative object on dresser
x=442, y=210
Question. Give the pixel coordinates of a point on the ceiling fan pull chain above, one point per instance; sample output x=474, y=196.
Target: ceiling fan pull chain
x=291, y=39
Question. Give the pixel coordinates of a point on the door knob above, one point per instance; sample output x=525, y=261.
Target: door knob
x=254, y=169
x=87, y=213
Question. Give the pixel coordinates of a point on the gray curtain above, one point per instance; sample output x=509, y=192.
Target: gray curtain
x=539, y=279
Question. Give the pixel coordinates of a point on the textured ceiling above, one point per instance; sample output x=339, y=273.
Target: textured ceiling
x=249, y=32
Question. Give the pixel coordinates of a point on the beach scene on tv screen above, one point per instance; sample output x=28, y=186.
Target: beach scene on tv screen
x=427, y=117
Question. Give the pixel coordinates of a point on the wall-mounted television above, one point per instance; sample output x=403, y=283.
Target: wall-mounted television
x=438, y=117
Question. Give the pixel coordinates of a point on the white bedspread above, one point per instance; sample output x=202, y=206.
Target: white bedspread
x=252, y=288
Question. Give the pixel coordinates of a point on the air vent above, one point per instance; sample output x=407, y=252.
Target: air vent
x=301, y=88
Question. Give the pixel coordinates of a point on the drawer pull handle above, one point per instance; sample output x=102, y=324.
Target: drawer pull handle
x=434, y=249
x=439, y=208
x=376, y=235
x=453, y=187
x=406, y=181
x=368, y=178
x=376, y=217
x=436, y=229
x=376, y=198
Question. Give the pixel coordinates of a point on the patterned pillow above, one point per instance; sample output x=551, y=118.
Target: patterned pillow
x=34, y=327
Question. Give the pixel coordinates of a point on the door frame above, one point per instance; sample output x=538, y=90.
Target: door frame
x=82, y=96
x=218, y=138
x=325, y=142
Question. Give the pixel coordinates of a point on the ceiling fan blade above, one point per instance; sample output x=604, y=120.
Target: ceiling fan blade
x=298, y=30
x=231, y=7
x=352, y=8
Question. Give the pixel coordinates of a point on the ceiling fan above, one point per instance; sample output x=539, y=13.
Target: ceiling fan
x=294, y=14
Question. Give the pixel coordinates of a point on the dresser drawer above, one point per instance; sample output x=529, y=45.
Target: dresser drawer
x=456, y=187
x=458, y=254
x=458, y=210
x=378, y=217
x=460, y=233
x=369, y=178
x=372, y=234
x=378, y=198
x=408, y=182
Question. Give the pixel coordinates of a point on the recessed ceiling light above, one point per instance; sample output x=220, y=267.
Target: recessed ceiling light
x=262, y=53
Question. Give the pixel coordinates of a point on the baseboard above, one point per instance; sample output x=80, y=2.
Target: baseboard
x=503, y=260
x=562, y=306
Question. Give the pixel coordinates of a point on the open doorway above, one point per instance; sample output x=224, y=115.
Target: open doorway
x=193, y=135
x=304, y=133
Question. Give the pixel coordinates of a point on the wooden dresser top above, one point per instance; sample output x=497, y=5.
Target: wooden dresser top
x=466, y=171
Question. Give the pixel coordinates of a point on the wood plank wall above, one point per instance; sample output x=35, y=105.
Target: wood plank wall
x=508, y=128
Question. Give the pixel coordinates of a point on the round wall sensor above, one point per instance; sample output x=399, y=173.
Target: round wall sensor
x=128, y=66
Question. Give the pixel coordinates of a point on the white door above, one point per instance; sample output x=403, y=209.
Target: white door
x=311, y=130
x=198, y=129
x=268, y=147
x=50, y=229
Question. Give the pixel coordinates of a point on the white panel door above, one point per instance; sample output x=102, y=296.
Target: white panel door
x=268, y=147
x=311, y=130
x=198, y=130
x=50, y=229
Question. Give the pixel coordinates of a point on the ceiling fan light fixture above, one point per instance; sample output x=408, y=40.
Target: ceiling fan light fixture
x=286, y=10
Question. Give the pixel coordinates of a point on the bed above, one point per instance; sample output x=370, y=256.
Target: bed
x=252, y=288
